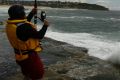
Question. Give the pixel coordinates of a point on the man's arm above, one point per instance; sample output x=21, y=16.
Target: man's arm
x=31, y=14
x=25, y=31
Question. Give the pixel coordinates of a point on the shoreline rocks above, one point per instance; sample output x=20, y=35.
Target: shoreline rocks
x=62, y=62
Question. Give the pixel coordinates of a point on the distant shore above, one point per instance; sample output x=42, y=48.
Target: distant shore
x=59, y=4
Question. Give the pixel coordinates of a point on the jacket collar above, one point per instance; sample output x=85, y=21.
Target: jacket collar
x=16, y=21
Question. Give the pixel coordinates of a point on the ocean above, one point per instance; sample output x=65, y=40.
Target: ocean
x=98, y=31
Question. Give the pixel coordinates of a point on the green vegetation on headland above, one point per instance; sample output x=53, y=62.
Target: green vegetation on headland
x=59, y=4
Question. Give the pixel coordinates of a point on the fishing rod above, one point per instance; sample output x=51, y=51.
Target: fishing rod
x=42, y=16
x=35, y=16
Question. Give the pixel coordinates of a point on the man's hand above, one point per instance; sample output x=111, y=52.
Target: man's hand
x=46, y=23
x=34, y=10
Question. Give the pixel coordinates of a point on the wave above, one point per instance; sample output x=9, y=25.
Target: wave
x=97, y=46
x=115, y=19
x=63, y=17
x=84, y=18
x=61, y=9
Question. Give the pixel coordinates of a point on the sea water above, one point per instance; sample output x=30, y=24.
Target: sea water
x=98, y=31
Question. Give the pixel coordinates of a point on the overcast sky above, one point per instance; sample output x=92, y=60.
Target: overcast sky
x=112, y=4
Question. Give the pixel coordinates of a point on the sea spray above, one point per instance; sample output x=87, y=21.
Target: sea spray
x=97, y=47
x=115, y=57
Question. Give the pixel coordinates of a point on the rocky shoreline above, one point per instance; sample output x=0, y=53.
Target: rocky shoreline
x=62, y=62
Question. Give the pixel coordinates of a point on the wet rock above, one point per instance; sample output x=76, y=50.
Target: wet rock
x=85, y=68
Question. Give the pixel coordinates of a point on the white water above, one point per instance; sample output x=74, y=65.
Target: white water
x=103, y=49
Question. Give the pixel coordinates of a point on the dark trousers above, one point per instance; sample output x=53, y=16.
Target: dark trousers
x=32, y=67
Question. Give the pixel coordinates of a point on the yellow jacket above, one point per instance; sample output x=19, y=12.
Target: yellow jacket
x=30, y=44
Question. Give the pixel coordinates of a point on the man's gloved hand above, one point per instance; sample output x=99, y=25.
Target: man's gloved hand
x=46, y=23
x=34, y=11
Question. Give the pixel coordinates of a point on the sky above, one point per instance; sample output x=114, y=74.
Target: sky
x=111, y=4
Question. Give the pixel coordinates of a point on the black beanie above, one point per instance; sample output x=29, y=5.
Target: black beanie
x=16, y=11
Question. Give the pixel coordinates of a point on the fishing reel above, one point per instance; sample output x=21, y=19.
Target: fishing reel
x=42, y=16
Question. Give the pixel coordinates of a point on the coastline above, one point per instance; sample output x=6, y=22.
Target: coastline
x=60, y=4
x=62, y=62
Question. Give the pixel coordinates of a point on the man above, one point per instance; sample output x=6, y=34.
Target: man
x=25, y=40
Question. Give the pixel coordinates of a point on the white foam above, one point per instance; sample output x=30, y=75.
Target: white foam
x=98, y=47
x=115, y=19
x=71, y=17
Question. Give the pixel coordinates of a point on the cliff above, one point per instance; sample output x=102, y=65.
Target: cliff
x=59, y=4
